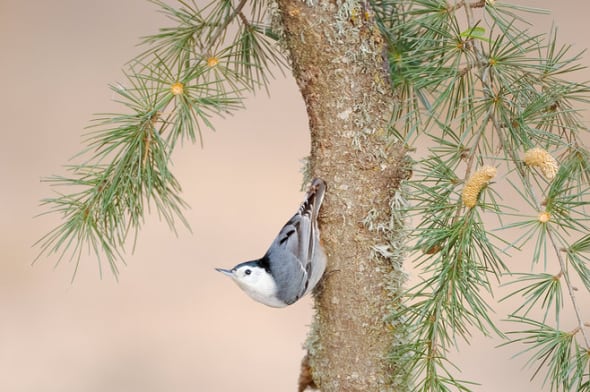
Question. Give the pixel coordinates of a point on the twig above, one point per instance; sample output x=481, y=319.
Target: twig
x=570, y=289
x=215, y=36
x=459, y=4
x=489, y=115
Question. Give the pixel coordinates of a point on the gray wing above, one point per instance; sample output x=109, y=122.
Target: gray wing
x=293, y=250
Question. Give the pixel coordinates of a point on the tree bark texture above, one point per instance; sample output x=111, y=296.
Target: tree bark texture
x=337, y=58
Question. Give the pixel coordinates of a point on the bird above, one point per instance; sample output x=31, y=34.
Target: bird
x=295, y=261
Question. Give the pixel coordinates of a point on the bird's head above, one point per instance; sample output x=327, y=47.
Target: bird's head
x=256, y=281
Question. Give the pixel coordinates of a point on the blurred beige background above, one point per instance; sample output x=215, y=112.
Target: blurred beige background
x=171, y=323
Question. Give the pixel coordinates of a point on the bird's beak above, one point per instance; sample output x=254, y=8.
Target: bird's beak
x=224, y=271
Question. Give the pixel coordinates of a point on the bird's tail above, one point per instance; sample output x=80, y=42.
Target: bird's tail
x=314, y=198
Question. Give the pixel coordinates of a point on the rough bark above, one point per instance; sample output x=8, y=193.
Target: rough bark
x=337, y=57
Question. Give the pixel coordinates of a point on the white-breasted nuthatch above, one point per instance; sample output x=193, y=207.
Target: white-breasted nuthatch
x=295, y=261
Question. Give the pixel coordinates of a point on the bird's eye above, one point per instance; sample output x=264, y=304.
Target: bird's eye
x=248, y=272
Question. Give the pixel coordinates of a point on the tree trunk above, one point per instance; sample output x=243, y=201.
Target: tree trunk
x=337, y=58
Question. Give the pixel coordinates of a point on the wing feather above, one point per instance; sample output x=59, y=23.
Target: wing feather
x=295, y=246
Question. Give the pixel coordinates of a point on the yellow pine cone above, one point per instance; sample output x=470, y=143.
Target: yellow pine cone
x=475, y=184
x=544, y=217
x=537, y=157
x=212, y=61
x=177, y=88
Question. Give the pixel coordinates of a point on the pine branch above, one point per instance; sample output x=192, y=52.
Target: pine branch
x=482, y=93
x=191, y=73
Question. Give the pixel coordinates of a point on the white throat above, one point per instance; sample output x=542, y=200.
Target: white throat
x=263, y=290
